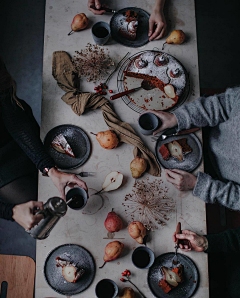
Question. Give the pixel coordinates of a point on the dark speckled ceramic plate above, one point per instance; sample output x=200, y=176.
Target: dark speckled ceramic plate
x=78, y=141
x=190, y=161
x=76, y=254
x=116, y=23
x=183, y=290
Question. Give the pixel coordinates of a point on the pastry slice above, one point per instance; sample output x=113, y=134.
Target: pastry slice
x=70, y=271
x=60, y=144
x=171, y=278
x=164, y=152
x=175, y=150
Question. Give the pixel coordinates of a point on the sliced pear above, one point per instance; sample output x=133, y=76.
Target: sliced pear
x=169, y=91
x=169, y=276
x=69, y=273
x=112, y=181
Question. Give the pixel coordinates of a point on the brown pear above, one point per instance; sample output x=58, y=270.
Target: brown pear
x=127, y=293
x=113, y=222
x=138, y=166
x=176, y=37
x=137, y=231
x=107, y=139
x=80, y=22
x=112, y=251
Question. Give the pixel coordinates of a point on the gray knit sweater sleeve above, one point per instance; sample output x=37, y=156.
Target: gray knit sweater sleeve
x=206, y=111
x=212, y=191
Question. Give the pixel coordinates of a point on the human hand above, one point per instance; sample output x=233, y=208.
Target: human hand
x=191, y=241
x=168, y=120
x=97, y=4
x=62, y=180
x=23, y=214
x=157, y=20
x=180, y=179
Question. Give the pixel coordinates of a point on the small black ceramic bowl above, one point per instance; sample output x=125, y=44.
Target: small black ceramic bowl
x=143, y=257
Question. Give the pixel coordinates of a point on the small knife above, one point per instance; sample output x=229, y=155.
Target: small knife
x=173, y=132
x=103, y=8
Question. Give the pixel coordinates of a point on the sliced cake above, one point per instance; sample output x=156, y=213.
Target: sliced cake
x=60, y=144
x=70, y=271
x=171, y=278
x=178, y=148
x=130, y=25
x=164, y=152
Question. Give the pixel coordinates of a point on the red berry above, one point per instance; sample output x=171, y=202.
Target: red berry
x=95, y=88
x=105, y=86
x=110, y=91
x=128, y=273
x=101, y=84
x=104, y=93
x=100, y=89
x=122, y=279
x=123, y=274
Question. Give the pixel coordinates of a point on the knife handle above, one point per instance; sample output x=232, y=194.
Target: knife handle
x=178, y=231
x=115, y=96
x=102, y=8
x=187, y=131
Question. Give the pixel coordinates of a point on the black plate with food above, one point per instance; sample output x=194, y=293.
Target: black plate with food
x=119, y=28
x=184, y=289
x=75, y=142
x=78, y=256
x=190, y=160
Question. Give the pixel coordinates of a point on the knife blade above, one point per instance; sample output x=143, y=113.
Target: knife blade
x=103, y=8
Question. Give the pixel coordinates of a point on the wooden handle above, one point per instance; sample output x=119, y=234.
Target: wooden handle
x=102, y=8
x=115, y=96
x=184, y=132
x=178, y=231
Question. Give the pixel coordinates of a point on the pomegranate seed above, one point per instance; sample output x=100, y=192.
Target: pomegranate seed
x=110, y=91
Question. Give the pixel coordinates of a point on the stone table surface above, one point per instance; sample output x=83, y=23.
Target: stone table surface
x=80, y=227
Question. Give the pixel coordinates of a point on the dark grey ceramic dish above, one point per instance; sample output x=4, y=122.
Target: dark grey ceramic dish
x=142, y=37
x=190, y=161
x=78, y=141
x=183, y=290
x=76, y=254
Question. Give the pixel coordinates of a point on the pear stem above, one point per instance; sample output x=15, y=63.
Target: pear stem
x=103, y=265
x=163, y=45
x=112, y=209
x=137, y=288
x=93, y=133
x=71, y=32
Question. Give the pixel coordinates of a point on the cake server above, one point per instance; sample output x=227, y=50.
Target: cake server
x=83, y=174
x=175, y=258
x=146, y=85
x=172, y=132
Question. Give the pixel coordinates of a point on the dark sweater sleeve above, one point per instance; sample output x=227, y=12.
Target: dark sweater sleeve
x=207, y=111
x=6, y=210
x=24, y=130
x=228, y=241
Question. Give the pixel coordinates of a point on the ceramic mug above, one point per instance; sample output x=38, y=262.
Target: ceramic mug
x=143, y=257
x=148, y=123
x=106, y=288
x=76, y=198
x=101, y=32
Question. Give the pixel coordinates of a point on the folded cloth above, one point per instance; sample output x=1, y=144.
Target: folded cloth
x=67, y=79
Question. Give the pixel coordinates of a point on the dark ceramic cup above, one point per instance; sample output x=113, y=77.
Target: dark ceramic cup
x=143, y=257
x=101, y=32
x=76, y=198
x=148, y=123
x=106, y=288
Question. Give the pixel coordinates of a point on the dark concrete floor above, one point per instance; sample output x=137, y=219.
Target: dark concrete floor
x=21, y=46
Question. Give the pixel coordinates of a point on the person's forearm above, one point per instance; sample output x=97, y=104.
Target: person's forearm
x=208, y=111
x=159, y=5
x=6, y=210
x=24, y=130
x=228, y=241
x=212, y=191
